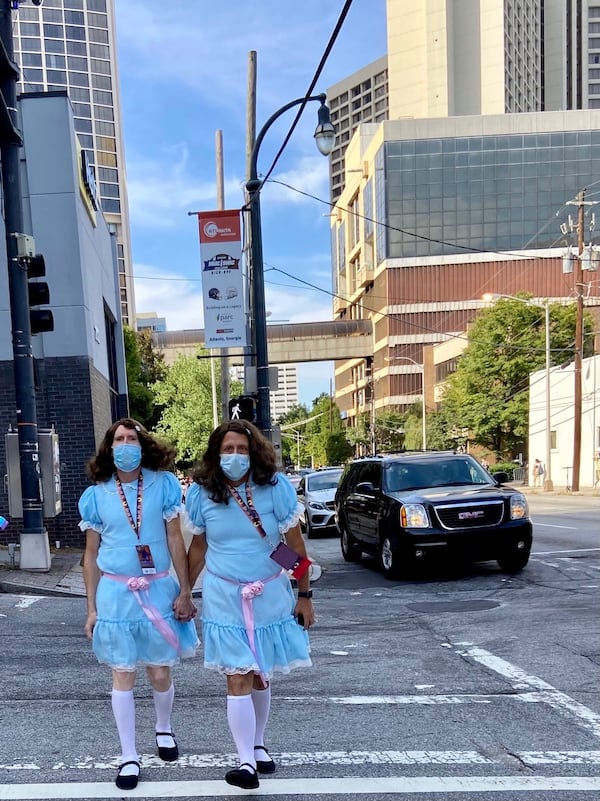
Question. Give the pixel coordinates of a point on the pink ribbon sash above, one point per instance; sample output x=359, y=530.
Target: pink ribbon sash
x=139, y=586
x=249, y=591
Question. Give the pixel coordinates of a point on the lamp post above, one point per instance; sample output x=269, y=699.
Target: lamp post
x=548, y=484
x=325, y=140
x=423, y=413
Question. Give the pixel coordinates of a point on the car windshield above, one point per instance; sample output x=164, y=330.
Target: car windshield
x=323, y=481
x=455, y=472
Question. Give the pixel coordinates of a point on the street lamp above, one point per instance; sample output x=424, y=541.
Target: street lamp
x=325, y=140
x=548, y=484
x=423, y=412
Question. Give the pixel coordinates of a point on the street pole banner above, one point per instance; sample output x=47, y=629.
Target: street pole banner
x=222, y=280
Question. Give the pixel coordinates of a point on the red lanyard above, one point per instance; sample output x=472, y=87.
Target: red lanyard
x=248, y=507
x=135, y=525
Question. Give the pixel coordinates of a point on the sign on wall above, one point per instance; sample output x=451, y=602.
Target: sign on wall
x=222, y=279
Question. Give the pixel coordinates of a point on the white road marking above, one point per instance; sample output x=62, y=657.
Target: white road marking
x=560, y=757
x=27, y=600
x=418, y=700
x=355, y=785
x=551, y=525
x=294, y=759
x=574, y=550
x=546, y=693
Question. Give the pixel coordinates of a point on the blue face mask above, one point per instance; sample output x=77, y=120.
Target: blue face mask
x=127, y=457
x=235, y=465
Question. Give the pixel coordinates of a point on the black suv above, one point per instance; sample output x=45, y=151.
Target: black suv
x=408, y=508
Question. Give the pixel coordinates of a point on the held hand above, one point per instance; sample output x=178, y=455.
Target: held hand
x=304, y=607
x=89, y=624
x=184, y=608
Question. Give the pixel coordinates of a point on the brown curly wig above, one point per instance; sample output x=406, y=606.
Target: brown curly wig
x=262, y=459
x=156, y=455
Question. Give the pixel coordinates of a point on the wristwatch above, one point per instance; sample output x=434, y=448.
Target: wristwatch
x=305, y=594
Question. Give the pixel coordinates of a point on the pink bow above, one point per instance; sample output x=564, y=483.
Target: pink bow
x=252, y=589
x=137, y=583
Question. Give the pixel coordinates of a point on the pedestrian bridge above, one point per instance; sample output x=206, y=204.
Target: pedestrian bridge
x=289, y=342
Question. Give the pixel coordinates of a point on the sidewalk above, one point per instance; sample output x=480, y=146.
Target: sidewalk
x=64, y=579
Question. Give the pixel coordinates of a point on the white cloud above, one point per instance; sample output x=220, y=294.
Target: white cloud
x=170, y=295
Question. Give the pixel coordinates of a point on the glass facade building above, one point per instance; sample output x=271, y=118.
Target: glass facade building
x=479, y=193
x=71, y=45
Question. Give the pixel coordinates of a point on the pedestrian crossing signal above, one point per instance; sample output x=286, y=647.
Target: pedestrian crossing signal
x=242, y=408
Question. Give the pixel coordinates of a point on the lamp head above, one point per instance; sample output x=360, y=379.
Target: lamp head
x=325, y=132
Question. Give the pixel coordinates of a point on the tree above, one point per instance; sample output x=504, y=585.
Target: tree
x=141, y=397
x=185, y=394
x=488, y=395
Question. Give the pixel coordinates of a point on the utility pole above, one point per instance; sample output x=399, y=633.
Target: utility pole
x=577, y=395
x=35, y=552
x=250, y=140
x=221, y=205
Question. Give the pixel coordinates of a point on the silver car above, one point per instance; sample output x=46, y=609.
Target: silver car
x=316, y=492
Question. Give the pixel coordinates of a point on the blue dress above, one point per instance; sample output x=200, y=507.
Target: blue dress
x=236, y=556
x=124, y=637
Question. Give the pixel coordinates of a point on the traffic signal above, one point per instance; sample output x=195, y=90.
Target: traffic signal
x=242, y=408
x=41, y=320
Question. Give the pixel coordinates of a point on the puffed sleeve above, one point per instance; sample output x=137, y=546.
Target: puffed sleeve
x=90, y=518
x=285, y=503
x=193, y=517
x=171, y=496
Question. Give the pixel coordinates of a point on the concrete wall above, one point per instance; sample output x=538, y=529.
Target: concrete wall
x=73, y=391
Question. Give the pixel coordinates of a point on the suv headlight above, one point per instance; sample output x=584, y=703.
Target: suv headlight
x=316, y=505
x=518, y=507
x=414, y=515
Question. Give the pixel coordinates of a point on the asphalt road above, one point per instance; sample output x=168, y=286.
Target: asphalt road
x=467, y=685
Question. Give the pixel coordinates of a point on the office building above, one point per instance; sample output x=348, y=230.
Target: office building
x=433, y=216
x=150, y=321
x=71, y=45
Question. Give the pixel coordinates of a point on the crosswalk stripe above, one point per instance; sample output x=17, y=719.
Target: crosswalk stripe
x=357, y=785
x=308, y=758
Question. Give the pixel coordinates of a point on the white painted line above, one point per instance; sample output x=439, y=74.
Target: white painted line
x=291, y=759
x=27, y=600
x=547, y=694
x=560, y=757
x=551, y=525
x=356, y=785
x=418, y=700
x=574, y=550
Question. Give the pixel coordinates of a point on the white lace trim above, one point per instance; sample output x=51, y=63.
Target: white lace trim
x=227, y=671
x=291, y=521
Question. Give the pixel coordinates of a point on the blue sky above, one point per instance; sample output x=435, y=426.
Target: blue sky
x=183, y=75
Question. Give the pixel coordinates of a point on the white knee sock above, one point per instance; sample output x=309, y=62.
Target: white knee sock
x=123, y=707
x=163, y=706
x=262, y=706
x=242, y=724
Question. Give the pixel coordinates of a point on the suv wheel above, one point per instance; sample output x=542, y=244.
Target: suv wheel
x=514, y=558
x=310, y=532
x=350, y=548
x=389, y=557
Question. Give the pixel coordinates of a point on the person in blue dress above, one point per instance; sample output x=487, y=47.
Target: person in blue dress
x=241, y=510
x=137, y=612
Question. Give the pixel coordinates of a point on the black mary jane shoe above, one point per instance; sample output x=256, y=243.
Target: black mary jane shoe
x=128, y=781
x=167, y=753
x=245, y=777
x=264, y=765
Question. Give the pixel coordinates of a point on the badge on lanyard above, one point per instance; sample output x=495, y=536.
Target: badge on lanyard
x=146, y=561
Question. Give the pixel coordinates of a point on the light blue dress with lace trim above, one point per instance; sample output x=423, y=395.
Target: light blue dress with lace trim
x=237, y=555
x=124, y=637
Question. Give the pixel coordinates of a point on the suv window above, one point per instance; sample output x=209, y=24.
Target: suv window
x=369, y=471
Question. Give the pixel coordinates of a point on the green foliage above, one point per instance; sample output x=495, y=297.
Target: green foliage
x=488, y=394
x=141, y=396
x=315, y=437
x=185, y=394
